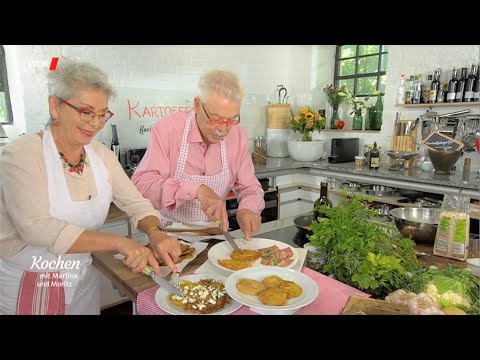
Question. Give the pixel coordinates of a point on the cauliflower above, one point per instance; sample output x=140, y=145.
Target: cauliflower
x=452, y=299
x=448, y=298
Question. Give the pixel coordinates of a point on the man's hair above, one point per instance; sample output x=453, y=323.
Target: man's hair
x=223, y=82
x=73, y=75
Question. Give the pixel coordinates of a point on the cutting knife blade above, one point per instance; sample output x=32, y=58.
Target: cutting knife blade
x=231, y=241
x=165, y=284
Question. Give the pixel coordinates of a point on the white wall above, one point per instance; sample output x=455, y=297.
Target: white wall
x=167, y=67
x=303, y=70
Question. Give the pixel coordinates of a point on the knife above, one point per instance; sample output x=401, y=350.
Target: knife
x=162, y=282
x=228, y=237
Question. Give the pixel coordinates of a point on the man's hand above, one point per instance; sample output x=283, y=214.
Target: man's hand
x=212, y=205
x=137, y=257
x=249, y=222
x=165, y=247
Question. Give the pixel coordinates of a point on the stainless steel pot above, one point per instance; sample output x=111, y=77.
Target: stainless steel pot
x=420, y=223
x=378, y=190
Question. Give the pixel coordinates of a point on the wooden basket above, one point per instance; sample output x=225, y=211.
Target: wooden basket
x=279, y=116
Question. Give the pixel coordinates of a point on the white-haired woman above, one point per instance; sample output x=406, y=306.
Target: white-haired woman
x=194, y=159
x=56, y=188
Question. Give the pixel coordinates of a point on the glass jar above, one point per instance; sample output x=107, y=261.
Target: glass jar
x=357, y=121
x=316, y=257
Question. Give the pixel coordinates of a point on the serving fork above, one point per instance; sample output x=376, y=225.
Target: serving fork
x=243, y=241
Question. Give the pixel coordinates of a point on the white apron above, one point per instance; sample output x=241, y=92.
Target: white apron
x=80, y=284
x=190, y=210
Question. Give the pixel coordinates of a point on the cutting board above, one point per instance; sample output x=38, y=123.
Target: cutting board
x=357, y=305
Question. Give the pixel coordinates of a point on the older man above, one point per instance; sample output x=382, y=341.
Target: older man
x=194, y=159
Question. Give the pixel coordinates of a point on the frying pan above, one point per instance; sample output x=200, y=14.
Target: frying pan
x=303, y=225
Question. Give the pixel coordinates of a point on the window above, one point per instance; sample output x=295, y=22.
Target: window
x=5, y=106
x=362, y=68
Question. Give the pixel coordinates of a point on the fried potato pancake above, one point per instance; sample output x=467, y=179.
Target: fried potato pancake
x=249, y=286
x=272, y=281
x=273, y=296
x=235, y=264
x=245, y=254
x=201, y=297
x=292, y=289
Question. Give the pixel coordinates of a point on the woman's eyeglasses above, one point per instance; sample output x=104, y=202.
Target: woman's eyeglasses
x=216, y=121
x=87, y=115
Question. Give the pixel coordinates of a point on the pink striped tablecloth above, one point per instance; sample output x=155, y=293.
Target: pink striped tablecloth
x=333, y=295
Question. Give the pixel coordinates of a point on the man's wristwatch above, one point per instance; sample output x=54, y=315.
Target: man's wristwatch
x=153, y=228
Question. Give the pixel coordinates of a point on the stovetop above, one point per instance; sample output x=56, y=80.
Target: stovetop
x=288, y=235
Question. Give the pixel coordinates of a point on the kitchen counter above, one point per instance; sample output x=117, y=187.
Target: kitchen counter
x=282, y=230
x=412, y=179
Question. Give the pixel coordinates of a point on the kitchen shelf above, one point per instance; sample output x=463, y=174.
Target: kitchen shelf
x=465, y=104
x=350, y=130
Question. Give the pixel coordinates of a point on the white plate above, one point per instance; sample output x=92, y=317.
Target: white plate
x=161, y=297
x=309, y=287
x=223, y=251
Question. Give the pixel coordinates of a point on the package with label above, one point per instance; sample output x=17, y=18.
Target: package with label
x=451, y=239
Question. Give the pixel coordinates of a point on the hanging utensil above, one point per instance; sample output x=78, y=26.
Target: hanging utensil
x=281, y=100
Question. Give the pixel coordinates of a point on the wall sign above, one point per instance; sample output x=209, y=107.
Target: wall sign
x=136, y=110
x=439, y=142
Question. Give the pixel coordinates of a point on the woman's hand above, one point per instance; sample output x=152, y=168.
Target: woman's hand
x=249, y=222
x=213, y=207
x=137, y=257
x=165, y=247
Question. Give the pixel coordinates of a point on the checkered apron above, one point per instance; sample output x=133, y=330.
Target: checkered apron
x=220, y=183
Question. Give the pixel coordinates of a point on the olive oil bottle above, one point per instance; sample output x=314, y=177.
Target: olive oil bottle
x=322, y=200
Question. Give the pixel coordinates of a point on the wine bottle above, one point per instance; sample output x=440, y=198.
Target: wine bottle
x=435, y=86
x=469, y=86
x=417, y=89
x=115, y=147
x=401, y=90
x=452, y=87
x=374, y=157
x=322, y=200
x=461, y=86
x=426, y=89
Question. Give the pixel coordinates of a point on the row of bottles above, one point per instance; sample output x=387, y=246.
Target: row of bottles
x=416, y=91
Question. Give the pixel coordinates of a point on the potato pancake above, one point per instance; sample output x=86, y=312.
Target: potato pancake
x=273, y=296
x=245, y=254
x=272, y=281
x=234, y=264
x=292, y=289
x=249, y=286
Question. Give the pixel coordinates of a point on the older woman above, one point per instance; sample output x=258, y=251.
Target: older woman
x=56, y=188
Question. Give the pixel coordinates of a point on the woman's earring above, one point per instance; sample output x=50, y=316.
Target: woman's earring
x=56, y=123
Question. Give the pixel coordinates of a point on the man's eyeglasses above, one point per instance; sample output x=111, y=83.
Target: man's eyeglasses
x=87, y=115
x=216, y=121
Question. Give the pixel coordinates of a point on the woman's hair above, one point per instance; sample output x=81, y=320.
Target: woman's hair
x=224, y=83
x=72, y=75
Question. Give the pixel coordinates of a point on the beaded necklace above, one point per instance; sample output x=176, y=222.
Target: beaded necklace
x=78, y=168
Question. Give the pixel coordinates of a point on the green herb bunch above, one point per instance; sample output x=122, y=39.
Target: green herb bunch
x=335, y=96
x=362, y=252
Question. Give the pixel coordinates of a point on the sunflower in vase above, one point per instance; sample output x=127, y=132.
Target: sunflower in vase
x=306, y=121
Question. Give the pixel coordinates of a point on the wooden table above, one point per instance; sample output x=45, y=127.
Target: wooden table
x=439, y=261
x=132, y=284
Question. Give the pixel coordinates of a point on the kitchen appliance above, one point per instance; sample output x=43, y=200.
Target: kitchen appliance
x=343, y=150
x=134, y=156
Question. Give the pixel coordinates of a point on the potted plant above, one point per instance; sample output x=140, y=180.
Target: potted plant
x=357, y=107
x=335, y=97
x=306, y=121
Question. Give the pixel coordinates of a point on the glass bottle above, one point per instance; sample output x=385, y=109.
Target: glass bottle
x=401, y=90
x=452, y=87
x=115, y=146
x=334, y=118
x=470, y=84
x=374, y=157
x=434, y=87
x=426, y=89
x=417, y=89
x=461, y=86
x=322, y=200
x=376, y=113
x=357, y=120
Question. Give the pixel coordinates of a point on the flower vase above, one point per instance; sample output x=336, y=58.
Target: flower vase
x=307, y=136
x=357, y=121
x=334, y=118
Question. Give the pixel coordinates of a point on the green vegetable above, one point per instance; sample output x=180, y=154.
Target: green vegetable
x=364, y=253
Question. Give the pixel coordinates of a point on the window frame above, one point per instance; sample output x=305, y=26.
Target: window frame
x=379, y=73
x=4, y=87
